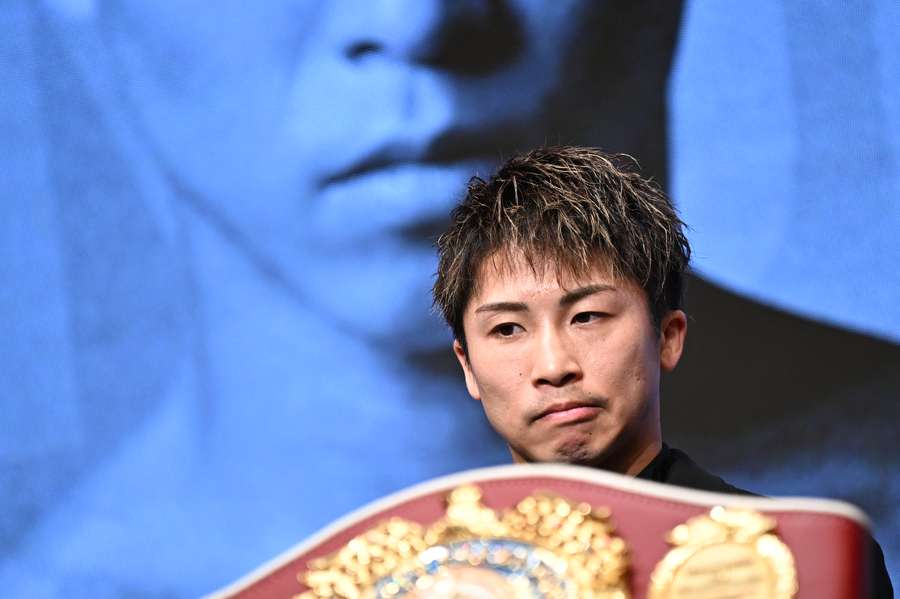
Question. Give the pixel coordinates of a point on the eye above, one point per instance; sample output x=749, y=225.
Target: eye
x=507, y=329
x=587, y=317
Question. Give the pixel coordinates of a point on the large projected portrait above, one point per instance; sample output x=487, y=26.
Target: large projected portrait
x=219, y=227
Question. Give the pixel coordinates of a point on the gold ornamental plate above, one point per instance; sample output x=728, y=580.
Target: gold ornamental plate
x=545, y=547
x=727, y=553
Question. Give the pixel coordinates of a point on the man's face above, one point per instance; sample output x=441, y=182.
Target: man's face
x=334, y=137
x=568, y=370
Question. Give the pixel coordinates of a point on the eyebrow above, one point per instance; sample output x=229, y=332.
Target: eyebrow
x=502, y=307
x=567, y=300
x=582, y=292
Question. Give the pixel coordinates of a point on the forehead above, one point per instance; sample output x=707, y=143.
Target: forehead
x=512, y=275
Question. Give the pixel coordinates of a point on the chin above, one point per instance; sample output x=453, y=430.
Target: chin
x=578, y=454
x=403, y=326
x=583, y=448
x=378, y=295
x=576, y=450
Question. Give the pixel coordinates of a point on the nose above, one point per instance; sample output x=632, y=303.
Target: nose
x=555, y=363
x=463, y=36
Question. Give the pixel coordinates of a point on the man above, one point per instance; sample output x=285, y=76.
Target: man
x=561, y=278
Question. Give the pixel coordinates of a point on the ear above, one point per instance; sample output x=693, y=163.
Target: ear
x=471, y=385
x=672, y=332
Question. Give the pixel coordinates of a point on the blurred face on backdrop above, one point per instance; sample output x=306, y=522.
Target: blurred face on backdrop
x=567, y=368
x=334, y=137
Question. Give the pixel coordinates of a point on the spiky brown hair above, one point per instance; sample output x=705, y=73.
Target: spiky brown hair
x=567, y=207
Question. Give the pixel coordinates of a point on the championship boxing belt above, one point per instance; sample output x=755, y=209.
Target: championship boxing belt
x=570, y=532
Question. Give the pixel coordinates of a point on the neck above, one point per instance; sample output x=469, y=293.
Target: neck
x=630, y=460
x=647, y=443
x=643, y=457
x=636, y=448
x=279, y=376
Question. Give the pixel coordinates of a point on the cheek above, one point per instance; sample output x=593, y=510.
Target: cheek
x=643, y=382
x=503, y=392
x=502, y=384
x=625, y=373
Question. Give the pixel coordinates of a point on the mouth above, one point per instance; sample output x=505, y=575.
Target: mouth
x=456, y=144
x=570, y=412
x=411, y=199
x=407, y=187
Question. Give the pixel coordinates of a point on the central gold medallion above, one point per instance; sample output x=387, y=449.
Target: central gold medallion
x=546, y=547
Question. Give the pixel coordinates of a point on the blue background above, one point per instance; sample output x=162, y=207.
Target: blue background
x=216, y=226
